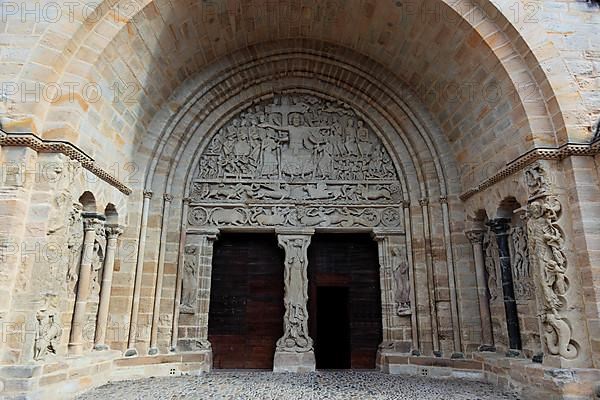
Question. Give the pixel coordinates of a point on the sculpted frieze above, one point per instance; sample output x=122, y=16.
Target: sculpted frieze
x=268, y=215
x=296, y=160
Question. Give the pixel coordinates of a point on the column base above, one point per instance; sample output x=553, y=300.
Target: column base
x=100, y=347
x=294, y=362
x=152, y=351
x=130, y=353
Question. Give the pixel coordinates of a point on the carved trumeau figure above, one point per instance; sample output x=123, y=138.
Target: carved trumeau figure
x=297, y=150
x=189, y=282
x=295, y=337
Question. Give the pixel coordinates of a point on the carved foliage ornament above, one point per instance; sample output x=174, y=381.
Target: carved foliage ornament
x=546, y=241
x=296, y=151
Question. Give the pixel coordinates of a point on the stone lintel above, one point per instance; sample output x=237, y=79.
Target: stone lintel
x=295, y=231
x=211, y=233
x=381, y=233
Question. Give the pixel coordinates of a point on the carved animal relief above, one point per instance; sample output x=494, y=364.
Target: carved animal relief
x=523, y=280
x=546, y=242
x=296, y=161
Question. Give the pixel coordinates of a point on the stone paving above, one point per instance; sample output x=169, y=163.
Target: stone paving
x=330, y=385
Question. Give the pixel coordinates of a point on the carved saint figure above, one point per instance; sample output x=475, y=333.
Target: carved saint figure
x=491, y=256
x=546, y=243
x=401, y=279
x=189, y=283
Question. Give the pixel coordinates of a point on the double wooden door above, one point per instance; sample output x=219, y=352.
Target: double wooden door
x=246, y=301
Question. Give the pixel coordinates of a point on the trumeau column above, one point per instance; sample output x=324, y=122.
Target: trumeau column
x=92, y=222
x=559, y=295
x=397, y=300
x=295, y=351
x=195, y=290
x=153, y=349
x=112, y=234
x=139, y=270
x=476, y=238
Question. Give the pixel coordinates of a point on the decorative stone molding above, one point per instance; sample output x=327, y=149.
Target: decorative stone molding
x=530, y=157
x=68, y=149
x=546, y=243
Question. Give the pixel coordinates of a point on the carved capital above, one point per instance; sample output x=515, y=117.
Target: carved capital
x=475, y=236
x=500, y=226
x=147, y=194
x=187, y=200
x=91, y=222
x=168, y=197
x=424, y=201
x=405, y=203
x=113, y=231
x=444, y=199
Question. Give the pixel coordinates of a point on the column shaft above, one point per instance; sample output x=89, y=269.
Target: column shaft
x=83, y=286
x=153, y=349
x=112, y=233
x=476, y=238
x=139, y=271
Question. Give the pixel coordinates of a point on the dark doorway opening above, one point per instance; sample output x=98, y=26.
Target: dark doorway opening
x=343, y=275
x=332, y=349
x=246, y=301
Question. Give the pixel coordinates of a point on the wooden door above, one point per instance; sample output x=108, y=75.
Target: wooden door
x=347, y=261
x=246, y=302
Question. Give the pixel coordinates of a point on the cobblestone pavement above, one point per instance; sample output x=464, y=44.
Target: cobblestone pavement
x=330, y=385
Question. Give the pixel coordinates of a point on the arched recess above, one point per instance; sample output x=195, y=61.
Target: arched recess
x=424, y=163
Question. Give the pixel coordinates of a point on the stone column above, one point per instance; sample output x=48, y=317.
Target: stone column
x=413, y=289
x=195, y=290
x=295, y=351
x=396, y=294
x=112, y=233
x=456, y=328
x=153, y=349
x=91, y=224
x=139, y=271
x=501, y=228
x=476, y=238
x=177, y=301
x=435, y=339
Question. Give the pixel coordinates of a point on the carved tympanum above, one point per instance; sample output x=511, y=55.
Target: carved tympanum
x=546, y=241
x=296, y=160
